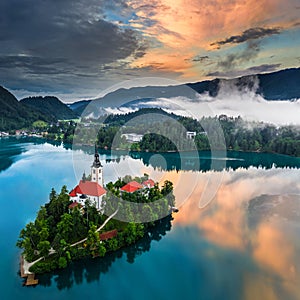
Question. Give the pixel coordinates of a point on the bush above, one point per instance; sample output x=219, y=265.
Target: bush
x=44, y=266
x=62, y=262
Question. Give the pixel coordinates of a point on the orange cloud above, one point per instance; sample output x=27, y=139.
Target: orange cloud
x=185, y=29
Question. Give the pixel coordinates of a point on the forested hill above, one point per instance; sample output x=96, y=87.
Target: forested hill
x=50, y=106
x=281, y=85
x=15, y=115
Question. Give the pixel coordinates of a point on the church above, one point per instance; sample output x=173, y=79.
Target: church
x=92, y=190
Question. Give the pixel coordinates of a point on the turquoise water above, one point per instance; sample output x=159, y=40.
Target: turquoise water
x=244, y=245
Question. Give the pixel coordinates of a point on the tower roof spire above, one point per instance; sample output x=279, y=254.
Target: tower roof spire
x=96, y=163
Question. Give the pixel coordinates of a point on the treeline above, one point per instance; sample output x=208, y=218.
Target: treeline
x=251, y=136
x=58, y=227
x=223, y=132
x=164, y=132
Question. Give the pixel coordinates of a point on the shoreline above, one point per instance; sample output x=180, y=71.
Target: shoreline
x=145, y=152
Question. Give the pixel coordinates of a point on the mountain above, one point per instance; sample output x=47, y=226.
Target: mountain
x=78, y=107
x=281, y=85
x=15, y=115
x=50, y=106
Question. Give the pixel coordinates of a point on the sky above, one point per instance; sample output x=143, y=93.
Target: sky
x=77, y=49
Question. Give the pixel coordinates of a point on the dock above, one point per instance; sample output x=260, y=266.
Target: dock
x=30, y=277
x=31, y=280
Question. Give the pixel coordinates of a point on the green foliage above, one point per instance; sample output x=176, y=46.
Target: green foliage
x=168, y=135
x=15, y=115
x=50, y=106
x=58, y=228
x=62, y=262
x=44, y=266
x=93, y=243
x=44, y=247
x=65, y=227
x=39, y=124
x=58, y=204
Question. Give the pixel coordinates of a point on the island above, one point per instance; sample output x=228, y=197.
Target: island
x=92, y=220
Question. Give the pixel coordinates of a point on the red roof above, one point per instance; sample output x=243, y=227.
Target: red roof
x=108, y=235
x=131, y=187
x=74, y=204
x=149, y=183
x=73, y=193
x=88, y=188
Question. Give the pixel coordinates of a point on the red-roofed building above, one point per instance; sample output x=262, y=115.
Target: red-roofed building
x=108, y=235
x=92, y=190
x=131, y=187
x=149, y=183
x=88, y=190
x=74, y=204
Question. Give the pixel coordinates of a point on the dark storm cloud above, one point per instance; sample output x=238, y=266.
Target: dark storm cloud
x=249, y=34
x=60, y=37
x=234, y=59
x=200, y=58
x=252, y=70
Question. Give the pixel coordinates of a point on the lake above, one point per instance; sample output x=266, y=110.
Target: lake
x=236, y=235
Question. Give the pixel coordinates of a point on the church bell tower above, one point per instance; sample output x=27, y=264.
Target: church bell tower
x=97, y=169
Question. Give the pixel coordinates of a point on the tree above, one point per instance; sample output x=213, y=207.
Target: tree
x=44, y=247
x=167, y=192
x=79, y=229
x=112, y=244
x=93, y=242
x=44, y=234
x=132, y=232
x=62, y=262
x=31, y=233
x=28, y=250
x=91, y=213
x=65, y=227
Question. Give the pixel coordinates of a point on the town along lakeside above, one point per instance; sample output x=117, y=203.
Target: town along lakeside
x=92, y=220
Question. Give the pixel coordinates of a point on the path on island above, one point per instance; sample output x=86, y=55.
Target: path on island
x=27, y=265
x=101, y=227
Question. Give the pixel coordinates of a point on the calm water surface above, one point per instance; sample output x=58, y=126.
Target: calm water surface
x=244, y=245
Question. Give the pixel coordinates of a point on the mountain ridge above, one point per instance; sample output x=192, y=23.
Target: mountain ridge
x=15, y=115
x=50, y=106
x=271, y=86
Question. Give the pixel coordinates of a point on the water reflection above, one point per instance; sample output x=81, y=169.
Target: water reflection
x=257, y=213
x=90, y=270
x=12, y=147
x=234, y=160
x=188, y=161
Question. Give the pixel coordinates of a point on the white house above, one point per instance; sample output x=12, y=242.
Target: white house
x=133, y=137
x=92, y=190
x=191, y=134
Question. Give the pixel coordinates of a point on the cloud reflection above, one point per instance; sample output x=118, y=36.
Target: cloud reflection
x=255, y=212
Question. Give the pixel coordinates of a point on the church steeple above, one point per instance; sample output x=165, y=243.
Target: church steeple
x=84, y=177
x=96, y=169
x=96, y=163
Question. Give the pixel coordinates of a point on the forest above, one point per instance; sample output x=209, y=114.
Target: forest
x=235, y=134
x=164, y=132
